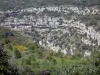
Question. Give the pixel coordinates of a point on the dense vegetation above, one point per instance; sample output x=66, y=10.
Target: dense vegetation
x=20, y=56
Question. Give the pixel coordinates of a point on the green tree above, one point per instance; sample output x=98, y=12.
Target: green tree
x=5, y=68
x=17, y=54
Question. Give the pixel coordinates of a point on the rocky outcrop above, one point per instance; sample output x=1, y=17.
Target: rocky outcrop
x=58, y=27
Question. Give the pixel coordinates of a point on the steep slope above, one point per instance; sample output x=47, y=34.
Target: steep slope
x=57, y=37
x=68, y=28
x=16, y=4
x=32, y=59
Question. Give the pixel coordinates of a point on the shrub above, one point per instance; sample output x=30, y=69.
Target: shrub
x=21, y=47
x=17, y=54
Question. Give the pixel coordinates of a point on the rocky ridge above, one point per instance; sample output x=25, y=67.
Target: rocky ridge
x=57, y=27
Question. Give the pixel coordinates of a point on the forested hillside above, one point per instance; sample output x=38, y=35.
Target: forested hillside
x=15, y=4
x=49, y=37
x=28, y=58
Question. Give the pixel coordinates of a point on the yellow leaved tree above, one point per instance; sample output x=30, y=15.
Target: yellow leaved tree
x=21, y=48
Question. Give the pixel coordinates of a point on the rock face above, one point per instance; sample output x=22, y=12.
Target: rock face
x=67, y=28
x=9, y=34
